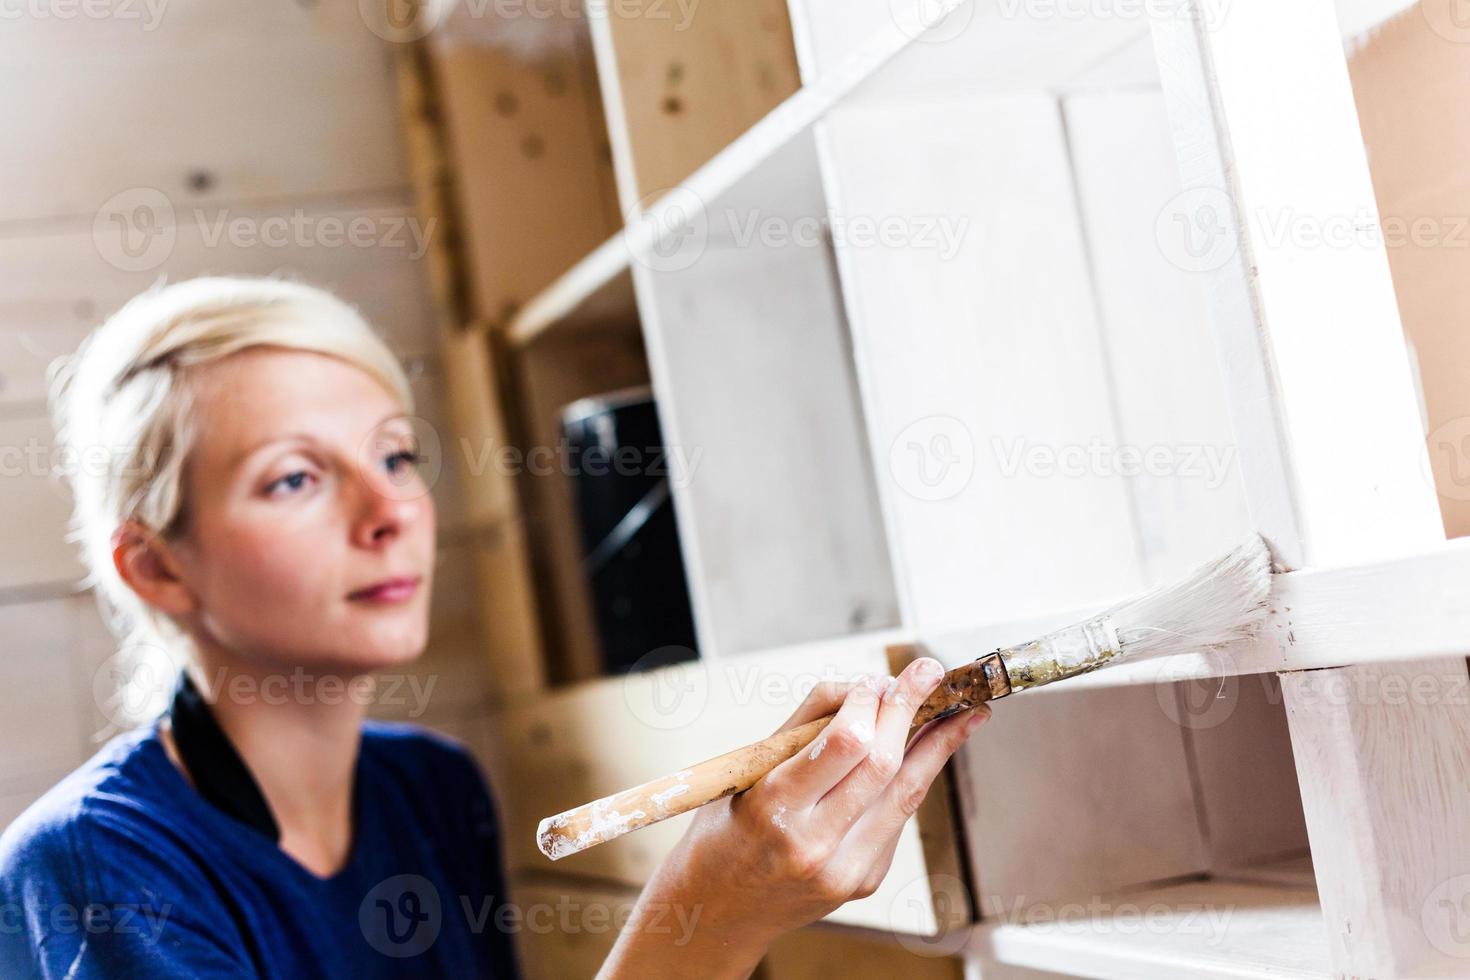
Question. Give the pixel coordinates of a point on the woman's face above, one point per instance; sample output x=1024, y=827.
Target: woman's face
x=302, y=491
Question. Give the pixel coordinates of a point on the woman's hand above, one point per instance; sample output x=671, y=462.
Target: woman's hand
x=819, y=830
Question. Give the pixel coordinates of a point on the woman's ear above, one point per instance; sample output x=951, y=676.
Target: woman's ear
x=146, y=563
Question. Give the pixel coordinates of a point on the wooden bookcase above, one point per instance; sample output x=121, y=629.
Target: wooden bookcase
x=978, y=316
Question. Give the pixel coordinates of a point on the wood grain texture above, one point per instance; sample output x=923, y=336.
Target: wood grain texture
x=526, y=139
x=593, y=739
x=1334, y=460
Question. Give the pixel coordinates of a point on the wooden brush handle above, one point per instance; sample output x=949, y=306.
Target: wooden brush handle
x=734, y=772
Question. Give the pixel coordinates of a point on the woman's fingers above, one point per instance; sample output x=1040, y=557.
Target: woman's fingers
x=824, y=699
x=927, y=755
x=804, y=778
x=869, y=778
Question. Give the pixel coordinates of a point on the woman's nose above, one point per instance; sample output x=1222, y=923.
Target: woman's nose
x=387, y=508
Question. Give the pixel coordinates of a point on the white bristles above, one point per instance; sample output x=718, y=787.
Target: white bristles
x=1223, y=602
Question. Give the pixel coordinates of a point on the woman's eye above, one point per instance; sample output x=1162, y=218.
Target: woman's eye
x=406, y=456
x=294, y=481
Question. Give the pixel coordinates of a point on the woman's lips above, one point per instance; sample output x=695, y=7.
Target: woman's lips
x=389, y=590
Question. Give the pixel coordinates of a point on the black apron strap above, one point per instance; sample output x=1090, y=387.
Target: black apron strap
x=218, y=772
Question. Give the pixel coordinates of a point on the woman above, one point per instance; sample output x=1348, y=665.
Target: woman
x=260, y=516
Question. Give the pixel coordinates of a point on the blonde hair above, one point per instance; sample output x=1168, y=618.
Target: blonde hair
x=121, y=406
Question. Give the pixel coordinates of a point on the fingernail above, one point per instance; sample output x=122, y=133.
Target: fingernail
x=976, y=719
x=928, y=669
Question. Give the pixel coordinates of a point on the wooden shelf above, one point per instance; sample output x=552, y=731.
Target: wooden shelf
x=596, y=291
x=1321, y=617
x=1199, y=929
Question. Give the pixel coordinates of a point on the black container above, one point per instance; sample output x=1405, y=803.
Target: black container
x=630, y=543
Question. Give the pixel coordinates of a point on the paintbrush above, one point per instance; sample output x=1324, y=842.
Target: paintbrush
x=1221, y=603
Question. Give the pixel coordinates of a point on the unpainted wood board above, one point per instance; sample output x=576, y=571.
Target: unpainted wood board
x=527, y=144
x=1408, y=80
x=688, y=80
x=67, y=277
x=508, y=611
x=103, y=106
x=581, y=743
x=554, y=373
x=35, y=506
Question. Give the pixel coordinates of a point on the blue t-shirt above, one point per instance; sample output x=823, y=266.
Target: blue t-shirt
x=123, y=870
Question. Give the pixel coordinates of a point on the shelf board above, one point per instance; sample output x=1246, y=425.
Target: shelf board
x=596, y=291
x=1406, y=608
x=1202, y=929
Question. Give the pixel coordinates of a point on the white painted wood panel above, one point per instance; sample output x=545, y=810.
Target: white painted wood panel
x=1323, y=394
x=985, y=377
x=982, y=363
x=778, y=516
